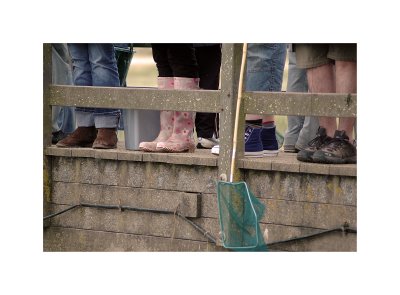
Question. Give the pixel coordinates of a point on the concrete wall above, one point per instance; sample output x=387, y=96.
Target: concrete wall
x=297, y=204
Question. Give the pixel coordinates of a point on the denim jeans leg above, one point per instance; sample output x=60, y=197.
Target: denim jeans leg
x=265, y=65
x=63, y=117
x=104, y=73
x=82, y=76
x=301, y=129
x=295, y=123
x=297, y=82
x=308, y=132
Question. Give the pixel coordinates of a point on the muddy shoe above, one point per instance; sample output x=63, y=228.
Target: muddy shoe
x=314, y=145
x=81, y=137
x=106, y=139
x=338, y=151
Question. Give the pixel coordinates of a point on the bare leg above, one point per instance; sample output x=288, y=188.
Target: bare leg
x=253, y=117
x=346, y=82
x=321, y=79
x=267, y=118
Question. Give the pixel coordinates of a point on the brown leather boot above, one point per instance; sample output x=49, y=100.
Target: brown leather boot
x=81, y=137
x=106, y=139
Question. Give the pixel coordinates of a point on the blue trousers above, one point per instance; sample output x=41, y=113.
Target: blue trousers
x=63, y=118
x=265, y=66
x=95, y=65
x=300, y=129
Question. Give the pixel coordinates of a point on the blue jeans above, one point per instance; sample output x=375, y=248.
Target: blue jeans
x=63, y=118
x=265, y=65
x=95, y=65
x=300, y=129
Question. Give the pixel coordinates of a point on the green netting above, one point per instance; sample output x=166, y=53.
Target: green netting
x=239, y=215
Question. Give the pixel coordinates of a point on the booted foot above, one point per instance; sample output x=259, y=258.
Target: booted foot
x=106, y=139
x=338, y=151
x=148, y=146
x=253, y=146
x=166, y=128
x=57, y=136
x=269, y=141
x=290, y=148
x=181, y=139
x=172, y=146
x=81, y=137
x=314, y=145
x=207, y=143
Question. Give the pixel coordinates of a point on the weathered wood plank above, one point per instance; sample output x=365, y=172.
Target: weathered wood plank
x=300, y=104
x=135, y=98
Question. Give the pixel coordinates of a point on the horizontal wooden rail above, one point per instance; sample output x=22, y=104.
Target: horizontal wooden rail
x=304, y=104
x=262, y=103
x=135, y=98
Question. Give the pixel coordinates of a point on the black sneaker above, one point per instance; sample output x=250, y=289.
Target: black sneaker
x=338, y=151
x=57, y=136
x=314, y=145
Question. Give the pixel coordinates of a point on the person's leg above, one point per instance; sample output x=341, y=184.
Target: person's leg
x=340, y=150
x=166, y=120
x=320, y=78
x=86, y=133
x=63, y=117
x=265, y=66
x=297, y=82
x=307, y=133
x=82, y=76
x=64, y=77
x=160, y=56
x=346, y=82
x=104, y=73
x=183, y=62
x=209, y=62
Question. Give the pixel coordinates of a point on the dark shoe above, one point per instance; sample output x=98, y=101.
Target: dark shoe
x=338, y=151
x=290, y=148
x=314, y=145
x=106, y=139
x=269, y=141
x=253, y=146
x=57, y=136
x=81, y=137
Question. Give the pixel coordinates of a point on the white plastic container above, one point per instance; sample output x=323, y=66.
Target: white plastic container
x=140, y=125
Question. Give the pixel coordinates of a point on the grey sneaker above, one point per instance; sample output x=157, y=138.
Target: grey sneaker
x=290, y=148
x=207, y=143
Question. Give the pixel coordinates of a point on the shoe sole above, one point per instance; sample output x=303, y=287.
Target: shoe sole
x=199, y=146
x=305, y=158
x=167, y=150
x=88, y=145
x=104, y=147
x=269, y=153
x=246, y=155
x=334, y=160
x=147, y=150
